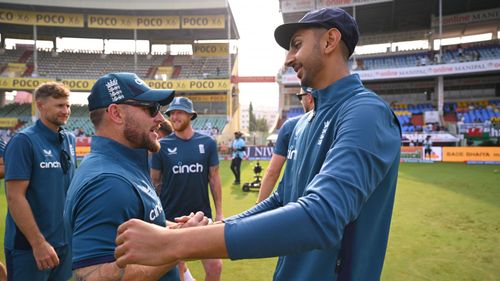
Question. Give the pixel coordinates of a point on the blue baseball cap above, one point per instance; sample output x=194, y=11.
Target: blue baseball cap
x=119, y=87
x=327, y=18
x=183, y=104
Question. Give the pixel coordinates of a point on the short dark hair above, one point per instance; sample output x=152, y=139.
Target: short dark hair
x=51, y=89
x=96, y=116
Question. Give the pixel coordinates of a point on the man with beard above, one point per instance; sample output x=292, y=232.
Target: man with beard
x=185, y=166
x=39, y=164
x=330, y=217
x=112, y=183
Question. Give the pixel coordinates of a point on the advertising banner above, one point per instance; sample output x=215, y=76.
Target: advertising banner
x=466, y=18
x=347, y=3
x=207, y=98
x=6, y=122
x=21, y=83
x=414, y=72
x=211, y=50
x=18, y=83
x=259, y=152
x=42, y=19
x=191, y=85
x=203, y=22
x=133, y=22
x=465, y=154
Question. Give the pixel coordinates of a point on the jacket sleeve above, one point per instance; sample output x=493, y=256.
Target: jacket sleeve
x=366, y=145
x=272, y=202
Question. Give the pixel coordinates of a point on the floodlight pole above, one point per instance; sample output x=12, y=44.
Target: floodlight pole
x=439, y=89
x=35, y=53
x=440, y=29
x=135, y=51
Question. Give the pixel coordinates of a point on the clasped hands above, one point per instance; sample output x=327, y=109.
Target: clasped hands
x=139, y=242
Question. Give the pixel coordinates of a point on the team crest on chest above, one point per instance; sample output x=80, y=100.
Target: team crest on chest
x=201, y=147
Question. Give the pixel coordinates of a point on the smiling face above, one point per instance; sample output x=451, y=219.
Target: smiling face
x=304, y=55
x=54, y=112
x=181, y=120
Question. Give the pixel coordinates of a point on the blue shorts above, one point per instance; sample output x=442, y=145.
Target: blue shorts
x=21, y=265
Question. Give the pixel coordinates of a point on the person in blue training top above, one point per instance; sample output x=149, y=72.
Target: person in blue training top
x=186, y=165
x=39, y=165
x=238, y=147
x=2, y=166
x=330, y=217
x=3, y=270
x=281, y=150
x=112, y=183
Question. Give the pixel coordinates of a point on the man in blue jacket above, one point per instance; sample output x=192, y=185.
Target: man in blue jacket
x=112, y=184
x=330, y=217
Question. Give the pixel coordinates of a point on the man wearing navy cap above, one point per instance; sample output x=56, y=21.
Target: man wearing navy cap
x=112, y=184
x=330, y=217
x=185, y=166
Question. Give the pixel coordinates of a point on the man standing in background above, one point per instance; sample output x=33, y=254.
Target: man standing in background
x=184, y=167
x=39, y=165
x=281, y=150
x=238, y=146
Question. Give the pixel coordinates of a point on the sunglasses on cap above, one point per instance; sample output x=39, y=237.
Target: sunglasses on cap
x=153, y=108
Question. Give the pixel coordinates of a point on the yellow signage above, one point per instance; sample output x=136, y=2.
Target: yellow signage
x=21, y=83
x=42, y=19
x=167, y=70
x=8, y=122
x=204, y=22
x=191, y=85
x=207, y=98
x=463, y=154
x=211, y=50
x=81, y=151
x=133, y=22
x=86, y=84
x=79, y=84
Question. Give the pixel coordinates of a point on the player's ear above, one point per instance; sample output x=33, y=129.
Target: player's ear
x=333, y=37
x=115, y=113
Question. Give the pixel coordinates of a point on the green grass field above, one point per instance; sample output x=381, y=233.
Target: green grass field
x=446, y=225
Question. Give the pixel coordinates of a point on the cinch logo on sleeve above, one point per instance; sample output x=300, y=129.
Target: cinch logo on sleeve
x=292, y=154
x=187, y=169
x=156, y=211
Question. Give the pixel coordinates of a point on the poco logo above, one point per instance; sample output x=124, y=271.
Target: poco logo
x=50, y=165
x=187, y=169
x=155, y=212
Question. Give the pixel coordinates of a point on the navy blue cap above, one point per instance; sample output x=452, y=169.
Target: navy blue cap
x=327, y=18
x=183, y=104
x=119, y=87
